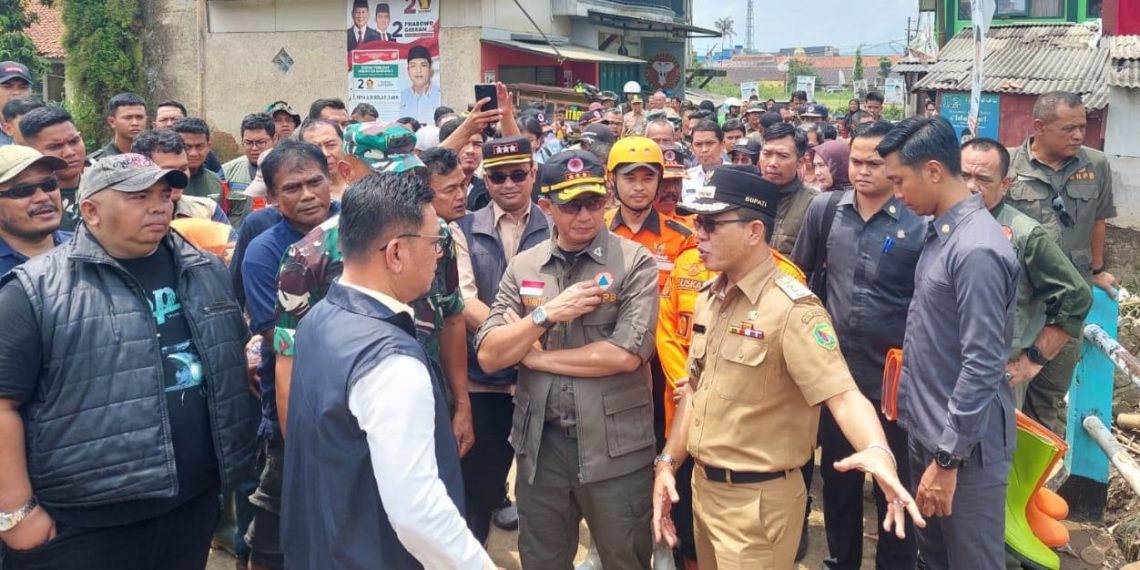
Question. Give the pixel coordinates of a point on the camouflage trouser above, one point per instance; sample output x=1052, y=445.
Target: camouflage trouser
x=1043, y=398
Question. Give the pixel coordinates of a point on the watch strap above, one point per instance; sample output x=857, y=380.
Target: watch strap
x=1034, y=355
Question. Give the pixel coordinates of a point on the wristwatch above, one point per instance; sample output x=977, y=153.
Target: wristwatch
x=1034, y=355
x=946, y=460
x=666, y=459
x=538, y=317
x=9, y=520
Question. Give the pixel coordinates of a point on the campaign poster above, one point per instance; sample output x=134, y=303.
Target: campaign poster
x=748, y=89
x=806, y=83
x=894, y=91
x=393, y=57
x=955, y=108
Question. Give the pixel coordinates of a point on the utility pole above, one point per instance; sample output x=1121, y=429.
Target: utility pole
x=748, y=25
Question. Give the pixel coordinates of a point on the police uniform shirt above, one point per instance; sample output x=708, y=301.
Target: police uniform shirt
x=953, y=395
x=1084, y=184
x=764, y=356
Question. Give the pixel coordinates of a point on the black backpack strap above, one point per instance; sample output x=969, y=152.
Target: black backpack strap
x=818, y=273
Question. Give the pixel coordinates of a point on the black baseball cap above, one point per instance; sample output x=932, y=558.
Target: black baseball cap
x=747, y=145
x=814, y=110
x=730, y=188
x=599, y=133
x=14, y=70
x=508, y=150
x=571, y=174
x=591, y=116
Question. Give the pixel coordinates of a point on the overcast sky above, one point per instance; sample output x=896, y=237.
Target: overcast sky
x=780, y=23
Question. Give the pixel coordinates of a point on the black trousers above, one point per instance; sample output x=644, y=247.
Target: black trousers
x=177, y=540
x=485, y=467
x=843, y=501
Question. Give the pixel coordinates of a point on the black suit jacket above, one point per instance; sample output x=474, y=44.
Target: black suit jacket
x=370, y=35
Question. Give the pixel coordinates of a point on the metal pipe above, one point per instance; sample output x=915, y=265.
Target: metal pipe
x=1127, y=364
x=1120, y=459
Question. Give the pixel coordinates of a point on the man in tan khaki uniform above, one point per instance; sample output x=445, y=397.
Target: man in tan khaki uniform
x=764, y=356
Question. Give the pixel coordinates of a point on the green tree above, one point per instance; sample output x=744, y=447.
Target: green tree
x=857, y=72
x=884, y=67
x=104, y=50
x=15, y=45
x=724, y=26
x=798, y=67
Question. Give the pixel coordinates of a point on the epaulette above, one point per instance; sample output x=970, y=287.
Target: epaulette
x=792, y=288
x=679, y=227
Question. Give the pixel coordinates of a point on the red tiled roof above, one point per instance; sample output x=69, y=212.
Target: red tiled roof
x=848, y=61
x=47, y=32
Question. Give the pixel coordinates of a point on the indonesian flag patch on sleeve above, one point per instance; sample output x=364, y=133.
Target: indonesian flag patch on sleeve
x=531, y=288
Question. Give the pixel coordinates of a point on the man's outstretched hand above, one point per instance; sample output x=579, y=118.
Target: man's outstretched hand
x=881, y=466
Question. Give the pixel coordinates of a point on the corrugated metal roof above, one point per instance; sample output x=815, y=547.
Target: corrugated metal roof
x=1124, y=67
x=1124, y=47
x=1027, y=59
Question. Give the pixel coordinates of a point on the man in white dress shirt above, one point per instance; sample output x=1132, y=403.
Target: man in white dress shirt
x=372, y=477
x=420, y=99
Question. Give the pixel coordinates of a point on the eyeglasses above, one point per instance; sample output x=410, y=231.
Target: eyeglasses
x=1062, y=213
x=257, y=144
x=28, y=189
x=438, y=241
x=710, y=225
x=516, y=176
x=591, y=204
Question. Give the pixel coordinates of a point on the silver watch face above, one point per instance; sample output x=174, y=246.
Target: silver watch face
x=539, y=316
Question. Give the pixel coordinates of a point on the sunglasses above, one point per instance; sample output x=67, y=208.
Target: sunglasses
x=1062, y=214
x=591, y=204
x=28, y=189
x=516, y=176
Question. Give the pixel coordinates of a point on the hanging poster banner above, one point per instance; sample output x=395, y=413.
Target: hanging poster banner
x=748, y=89
x=806, y=83
x=393, y=57
x=894, y=91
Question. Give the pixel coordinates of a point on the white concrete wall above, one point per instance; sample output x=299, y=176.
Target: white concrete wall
x=1120, y=132
x=1126, y=190
x=241, y=40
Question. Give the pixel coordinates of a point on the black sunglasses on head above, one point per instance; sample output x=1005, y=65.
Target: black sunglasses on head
x=28, y=189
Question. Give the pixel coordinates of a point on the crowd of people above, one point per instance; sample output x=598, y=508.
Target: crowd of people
x=341, y=340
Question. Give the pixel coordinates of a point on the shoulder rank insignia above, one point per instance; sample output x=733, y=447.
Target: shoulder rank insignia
x=792, y=288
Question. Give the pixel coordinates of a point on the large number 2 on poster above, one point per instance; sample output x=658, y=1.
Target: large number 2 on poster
x=411, y=8
x=399, y=29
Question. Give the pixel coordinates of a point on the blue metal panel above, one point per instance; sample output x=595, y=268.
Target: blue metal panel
x=1091, y=393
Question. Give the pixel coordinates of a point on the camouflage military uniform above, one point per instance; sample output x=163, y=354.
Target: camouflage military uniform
x=312, y=264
